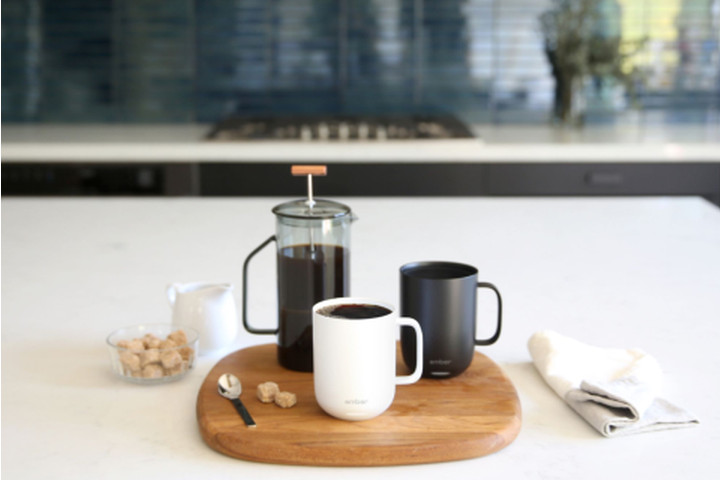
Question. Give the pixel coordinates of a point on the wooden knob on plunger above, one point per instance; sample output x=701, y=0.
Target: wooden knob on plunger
x=309, y=171
x=319, y=170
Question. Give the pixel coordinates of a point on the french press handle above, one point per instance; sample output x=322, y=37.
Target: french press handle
x=259, y=331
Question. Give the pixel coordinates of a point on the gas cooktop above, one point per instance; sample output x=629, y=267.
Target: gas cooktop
x=339, y=128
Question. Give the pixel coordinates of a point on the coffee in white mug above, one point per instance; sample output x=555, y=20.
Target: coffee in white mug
x=354, y=349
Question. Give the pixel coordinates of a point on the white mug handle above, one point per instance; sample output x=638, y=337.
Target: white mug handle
x=415, y=376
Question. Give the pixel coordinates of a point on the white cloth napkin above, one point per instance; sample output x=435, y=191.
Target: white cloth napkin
x=615, y=390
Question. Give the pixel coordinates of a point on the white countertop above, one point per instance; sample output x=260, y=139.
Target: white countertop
x=639, y=272
x=184, y=143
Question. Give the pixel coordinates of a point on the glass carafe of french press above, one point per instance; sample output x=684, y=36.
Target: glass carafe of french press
x=313, y=264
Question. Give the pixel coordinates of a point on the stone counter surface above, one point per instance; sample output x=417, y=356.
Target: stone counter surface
x=185, y=143
x=623, y=273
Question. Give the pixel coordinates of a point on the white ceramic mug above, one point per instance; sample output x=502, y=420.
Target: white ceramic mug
x=354, y=358
x=209, y=308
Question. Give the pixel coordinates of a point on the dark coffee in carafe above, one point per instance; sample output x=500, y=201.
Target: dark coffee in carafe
x=306, y=275
x=313, y=264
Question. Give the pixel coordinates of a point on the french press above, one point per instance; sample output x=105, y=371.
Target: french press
x=313, y=264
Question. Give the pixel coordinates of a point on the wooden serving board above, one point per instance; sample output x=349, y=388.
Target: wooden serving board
x=471, y=415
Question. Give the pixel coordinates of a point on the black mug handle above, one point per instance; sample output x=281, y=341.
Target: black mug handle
x=496, y=335
x=260, y=331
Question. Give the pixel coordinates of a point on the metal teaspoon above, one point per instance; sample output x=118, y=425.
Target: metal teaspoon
x=229, y=387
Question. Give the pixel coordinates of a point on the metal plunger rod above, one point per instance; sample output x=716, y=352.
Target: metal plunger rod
x=309, y=170
x=311, y=200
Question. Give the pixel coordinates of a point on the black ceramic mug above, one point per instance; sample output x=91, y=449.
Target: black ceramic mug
x=442, y=297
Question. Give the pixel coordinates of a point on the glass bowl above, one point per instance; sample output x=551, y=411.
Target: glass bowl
x=153, y=353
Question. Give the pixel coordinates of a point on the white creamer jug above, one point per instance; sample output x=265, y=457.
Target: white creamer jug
x=208, y=308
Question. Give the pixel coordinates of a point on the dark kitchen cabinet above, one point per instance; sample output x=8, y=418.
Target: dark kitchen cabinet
x=701, y=179
x=366, y=179
x=97, y=179
x=470, y=179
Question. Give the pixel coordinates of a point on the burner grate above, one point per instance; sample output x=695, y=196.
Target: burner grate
x=339, y=128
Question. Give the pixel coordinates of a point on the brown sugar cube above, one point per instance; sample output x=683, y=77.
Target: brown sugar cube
x=167, y=344
x=170, y=359
x=178, y=337
x=149, y=356
x=266, y=391
x=285, y=399
x=130, y=361
x=177, y=369
x=186, y=353
x=136, y=345
x=151, y=341
x=152, y=371
x=123, y=343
